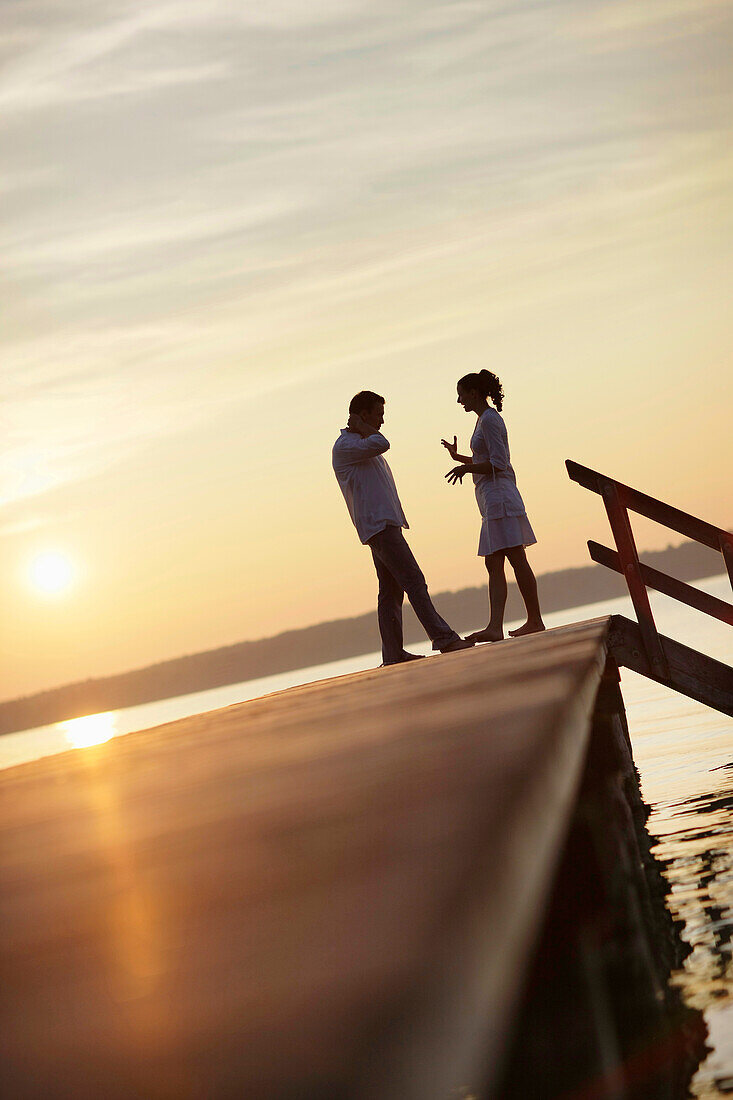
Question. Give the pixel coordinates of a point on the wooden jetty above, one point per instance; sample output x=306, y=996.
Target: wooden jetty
x=329, y=892
x=424, y=882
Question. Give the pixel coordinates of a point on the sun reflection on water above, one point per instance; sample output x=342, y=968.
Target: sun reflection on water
x=92, y=729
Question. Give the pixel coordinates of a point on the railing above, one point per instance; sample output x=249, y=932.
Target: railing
x=619, y=500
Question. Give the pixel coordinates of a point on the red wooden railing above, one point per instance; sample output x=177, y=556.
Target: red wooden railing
x=621, y=499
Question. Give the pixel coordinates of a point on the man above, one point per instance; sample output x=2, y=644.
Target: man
x=371, y=497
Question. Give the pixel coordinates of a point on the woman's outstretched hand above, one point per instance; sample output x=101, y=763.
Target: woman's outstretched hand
x=451, y=448
x=457, y=474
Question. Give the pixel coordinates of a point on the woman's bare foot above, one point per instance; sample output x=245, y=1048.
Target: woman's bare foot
x=528, y=628
x=487, y=635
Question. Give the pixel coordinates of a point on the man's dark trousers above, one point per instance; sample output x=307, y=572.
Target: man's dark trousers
x=399, y=573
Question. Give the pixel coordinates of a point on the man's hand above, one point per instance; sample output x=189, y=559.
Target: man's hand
x=359, y=425
x=457, y=474
x=451, y=448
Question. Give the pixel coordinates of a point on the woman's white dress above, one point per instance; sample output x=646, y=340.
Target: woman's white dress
x=504, y=521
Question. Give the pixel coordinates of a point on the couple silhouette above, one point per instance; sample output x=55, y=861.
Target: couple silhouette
x=371, y=496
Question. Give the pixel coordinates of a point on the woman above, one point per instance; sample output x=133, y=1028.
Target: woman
x=505, y=529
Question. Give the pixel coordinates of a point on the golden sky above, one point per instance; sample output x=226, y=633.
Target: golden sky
x=220, y=221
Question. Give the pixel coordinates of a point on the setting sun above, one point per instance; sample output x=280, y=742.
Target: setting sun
x=51, y=573
x=92, y=729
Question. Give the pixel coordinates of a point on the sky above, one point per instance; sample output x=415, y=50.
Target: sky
x=218, y=222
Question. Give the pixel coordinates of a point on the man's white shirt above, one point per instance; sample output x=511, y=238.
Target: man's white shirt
x=367, y=483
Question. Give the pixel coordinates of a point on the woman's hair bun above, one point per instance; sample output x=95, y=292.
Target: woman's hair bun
x=493, y=387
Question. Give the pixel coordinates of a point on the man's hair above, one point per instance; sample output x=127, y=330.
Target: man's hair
x=364, y=401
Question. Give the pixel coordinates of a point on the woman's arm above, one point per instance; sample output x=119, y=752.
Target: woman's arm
x=459, y=472
x=452, y=449
x=495, y=440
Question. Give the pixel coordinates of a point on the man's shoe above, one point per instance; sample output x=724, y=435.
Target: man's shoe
x=459, y=643
x=405, y=657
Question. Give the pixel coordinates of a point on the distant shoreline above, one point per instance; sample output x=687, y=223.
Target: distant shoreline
x=330, y=641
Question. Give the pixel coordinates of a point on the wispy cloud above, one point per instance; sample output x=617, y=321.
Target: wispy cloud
x=626, y=23
x=152, y=228
x=38, y=75
x=195, y=186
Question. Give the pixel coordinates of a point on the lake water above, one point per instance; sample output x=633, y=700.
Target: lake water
x=684, y=753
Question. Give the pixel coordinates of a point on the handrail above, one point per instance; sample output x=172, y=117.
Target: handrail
x=669, y=586
x=674, y=518
x=619, y=500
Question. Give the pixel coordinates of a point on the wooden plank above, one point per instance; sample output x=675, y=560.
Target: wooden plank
x=618, y=518
x=661, y=582
x=693, y=674
x=657, y=510
x=328, y=892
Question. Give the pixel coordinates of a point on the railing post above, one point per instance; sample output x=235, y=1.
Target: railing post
x=618, y=518
x=726, y=548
